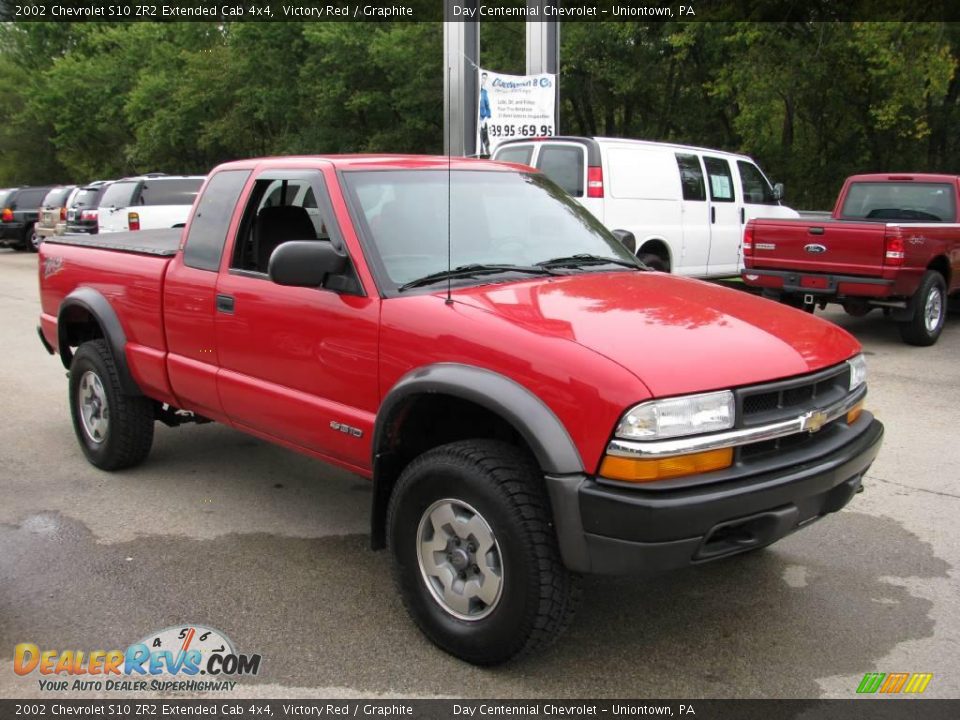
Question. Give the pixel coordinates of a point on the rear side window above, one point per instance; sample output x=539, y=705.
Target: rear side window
x=119, y=195
x=754, y=185
x=564, y=165
x=29, y=199
x=56, y=197
x=691, y=177
x=4, y=196
x=721, y=181
x=516, y=154
x=208, y=231
x=907, y=201
x=170, y=192
x=87, y=197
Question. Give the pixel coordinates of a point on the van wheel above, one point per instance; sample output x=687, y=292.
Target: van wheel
x=475, y=554
x=115, y=430
x=655, y=262
x=930, y=305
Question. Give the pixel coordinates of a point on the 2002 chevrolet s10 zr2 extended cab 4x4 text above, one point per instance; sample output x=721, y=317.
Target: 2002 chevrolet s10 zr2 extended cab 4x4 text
x=530, y=402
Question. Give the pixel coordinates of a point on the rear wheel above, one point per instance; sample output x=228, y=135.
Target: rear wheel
x=33, y=239
x=475, y=554
x=654, y=262
x=115, y=430
x=929, y=314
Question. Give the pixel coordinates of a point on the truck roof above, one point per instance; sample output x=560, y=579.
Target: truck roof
x=902, y=177
x=375, y=162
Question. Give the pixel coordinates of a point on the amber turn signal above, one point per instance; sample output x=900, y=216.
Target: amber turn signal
x=854, y=413
x=648, y=470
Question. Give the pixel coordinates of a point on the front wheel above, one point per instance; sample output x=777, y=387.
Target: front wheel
x=475, y=554
x=115, y=430
x=929, y=312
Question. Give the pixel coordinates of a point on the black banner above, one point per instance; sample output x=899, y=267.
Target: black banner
x=484, y=10
x=859, y=709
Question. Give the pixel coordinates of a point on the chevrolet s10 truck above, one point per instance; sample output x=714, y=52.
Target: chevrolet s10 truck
x=893, y=242
x=530, y=402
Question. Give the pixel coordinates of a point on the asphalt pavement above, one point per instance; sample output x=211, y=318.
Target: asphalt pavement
x=272, y=549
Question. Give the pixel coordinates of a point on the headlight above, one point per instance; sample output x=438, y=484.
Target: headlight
x=858, y=372
x=676, y=417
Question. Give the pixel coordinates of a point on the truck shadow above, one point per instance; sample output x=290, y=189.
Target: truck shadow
x=323, y=614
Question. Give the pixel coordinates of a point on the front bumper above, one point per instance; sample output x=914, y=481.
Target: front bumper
x=613, y=530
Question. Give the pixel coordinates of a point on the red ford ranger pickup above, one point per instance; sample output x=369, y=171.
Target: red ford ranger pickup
x=893, y=242
x=530, y=402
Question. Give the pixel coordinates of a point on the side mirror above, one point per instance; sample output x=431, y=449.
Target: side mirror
x=779, y=192
x=305, y=263
x=627, y=239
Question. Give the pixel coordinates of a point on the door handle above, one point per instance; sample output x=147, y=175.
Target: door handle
x=713, y=215
x=225, y=303
x=816, y=231
x=742, y=216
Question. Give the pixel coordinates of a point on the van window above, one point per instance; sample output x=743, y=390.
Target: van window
x=516, y=154
x=564, y=165
x=119, y=195
x=170, y=192
x=721, y=181
x=691, y=177
x=755, y=187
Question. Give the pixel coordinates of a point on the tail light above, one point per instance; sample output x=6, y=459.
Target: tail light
x=88, y=215
x=133, y=221
x=595, y=181
x=6, y=215
x=748, y=240
x=893, y=247
x=63, y=214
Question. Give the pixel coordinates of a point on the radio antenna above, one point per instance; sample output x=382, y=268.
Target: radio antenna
x=449, y=183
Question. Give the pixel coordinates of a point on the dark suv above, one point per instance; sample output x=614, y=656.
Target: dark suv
x=82, y=211
x=20, y=210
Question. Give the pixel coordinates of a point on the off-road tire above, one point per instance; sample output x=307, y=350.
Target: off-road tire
x=539, y=596
x=129, y=432
x=916, y=330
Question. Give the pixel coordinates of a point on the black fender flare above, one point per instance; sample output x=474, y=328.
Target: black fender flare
x=103, y=313
x=540, y=428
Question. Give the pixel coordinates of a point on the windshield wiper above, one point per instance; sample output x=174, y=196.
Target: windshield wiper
x=472, y=270
x=583, y=259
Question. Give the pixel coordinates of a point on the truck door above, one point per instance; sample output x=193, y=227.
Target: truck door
x=298, y=365
x=189, y=296
x=725, y=233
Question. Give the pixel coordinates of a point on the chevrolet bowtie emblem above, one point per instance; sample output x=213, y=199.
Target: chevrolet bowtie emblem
x=814, y=420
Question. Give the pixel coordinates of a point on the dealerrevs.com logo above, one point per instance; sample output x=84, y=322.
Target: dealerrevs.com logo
x=188, y=657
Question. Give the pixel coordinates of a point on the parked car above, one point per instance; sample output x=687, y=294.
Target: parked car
x=19, y=215
x=892, y=242
x=147, y=202
x=530, y=402
x=687, y=206
x=53, y=212
x=84, y=206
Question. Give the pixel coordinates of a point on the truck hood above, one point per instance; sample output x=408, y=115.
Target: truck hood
x=675, y=334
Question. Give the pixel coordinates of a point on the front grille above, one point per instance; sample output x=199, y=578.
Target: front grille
x=785, y=399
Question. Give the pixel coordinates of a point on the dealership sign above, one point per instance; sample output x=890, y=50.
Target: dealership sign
x=514, y=106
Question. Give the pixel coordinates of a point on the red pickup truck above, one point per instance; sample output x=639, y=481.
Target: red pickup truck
x=893, y=242
x=530, y=402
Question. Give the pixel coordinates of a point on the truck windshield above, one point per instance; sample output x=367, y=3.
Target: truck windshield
x=492, y=218
x=907, y=201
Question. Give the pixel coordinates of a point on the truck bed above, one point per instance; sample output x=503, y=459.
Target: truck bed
x=165, y=242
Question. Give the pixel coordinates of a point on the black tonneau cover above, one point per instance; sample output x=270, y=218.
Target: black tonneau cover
x=163, y=242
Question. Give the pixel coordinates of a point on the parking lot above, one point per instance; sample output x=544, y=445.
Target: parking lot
x=270, y=547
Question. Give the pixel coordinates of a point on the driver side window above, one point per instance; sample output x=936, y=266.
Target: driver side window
x=278, y=210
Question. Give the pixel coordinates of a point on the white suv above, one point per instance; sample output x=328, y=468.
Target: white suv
x=148, y=203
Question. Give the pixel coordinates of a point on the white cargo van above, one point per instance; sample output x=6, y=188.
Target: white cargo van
x=148, y=203
x=686, y=206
